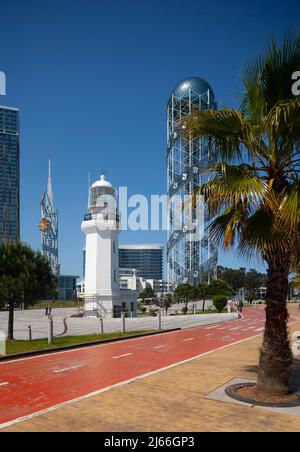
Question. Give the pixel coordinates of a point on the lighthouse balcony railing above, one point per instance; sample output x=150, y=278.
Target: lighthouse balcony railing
x=105, y=217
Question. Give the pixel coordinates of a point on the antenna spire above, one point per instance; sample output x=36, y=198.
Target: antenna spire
x=89, y=188
x=49, y=189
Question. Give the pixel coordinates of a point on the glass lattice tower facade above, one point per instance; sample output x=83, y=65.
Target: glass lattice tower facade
x=191, y=255
x=9, y=175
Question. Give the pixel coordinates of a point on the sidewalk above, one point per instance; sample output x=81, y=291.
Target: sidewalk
x=86, y=326
x=174, y=400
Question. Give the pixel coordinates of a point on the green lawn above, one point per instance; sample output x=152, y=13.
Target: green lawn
x=13, y=347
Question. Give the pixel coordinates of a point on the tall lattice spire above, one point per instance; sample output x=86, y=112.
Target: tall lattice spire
x=49, y=226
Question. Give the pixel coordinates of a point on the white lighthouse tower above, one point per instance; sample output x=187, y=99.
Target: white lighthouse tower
x=101, y=228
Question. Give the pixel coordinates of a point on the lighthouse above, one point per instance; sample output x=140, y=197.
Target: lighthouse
x=101, y=228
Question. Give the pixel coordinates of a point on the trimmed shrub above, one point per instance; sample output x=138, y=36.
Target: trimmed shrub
x=220, y=302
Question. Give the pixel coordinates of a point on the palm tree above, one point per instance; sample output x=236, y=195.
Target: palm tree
x=255, y=191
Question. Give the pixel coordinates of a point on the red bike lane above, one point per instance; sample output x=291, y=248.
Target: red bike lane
x=36, y=385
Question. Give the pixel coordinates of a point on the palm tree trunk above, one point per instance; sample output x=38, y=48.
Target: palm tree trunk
x=276, y=357
x=10, y=333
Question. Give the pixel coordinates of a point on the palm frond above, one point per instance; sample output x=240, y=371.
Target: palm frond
x=233, y=186
x=282, y=125
x=289, y=209
x=260, y=233
x=228, y=132
x=267, y=79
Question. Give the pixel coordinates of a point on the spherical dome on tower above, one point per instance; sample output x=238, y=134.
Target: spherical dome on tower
x=196, y=84
x=102, y=182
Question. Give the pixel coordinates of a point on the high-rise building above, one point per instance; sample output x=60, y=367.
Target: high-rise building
x=9, y=175
x=49, y=226
x=191, y=255
x=148, y=259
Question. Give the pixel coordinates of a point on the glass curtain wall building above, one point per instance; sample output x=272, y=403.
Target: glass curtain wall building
x=191, y=255
x=148, y=259
x=9, y=175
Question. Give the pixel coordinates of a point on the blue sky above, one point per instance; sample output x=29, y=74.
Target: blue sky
x=92, y=78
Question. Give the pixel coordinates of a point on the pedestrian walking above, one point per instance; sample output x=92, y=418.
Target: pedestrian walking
x=240, y=307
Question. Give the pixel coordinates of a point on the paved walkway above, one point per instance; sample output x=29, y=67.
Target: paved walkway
x=82, y=326
x=173, y=400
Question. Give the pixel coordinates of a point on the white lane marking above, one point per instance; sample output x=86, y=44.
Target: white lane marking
x=75, y=350
x=109, y=344
x=187, y=340
x=122, y=356
x=234, y=329
x=67, y=369
x=211, y=327
x=203, y=327
x=117, y=385
x=159, y=346
x=259, y=330
x=4, y=384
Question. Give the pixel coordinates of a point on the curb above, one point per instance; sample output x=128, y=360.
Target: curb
x=49, y=351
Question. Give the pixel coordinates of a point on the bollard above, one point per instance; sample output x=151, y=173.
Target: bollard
x=195, y=311
x=123, y=320
x=101, y=325
x=29, y=333
x=2, y=343
x=50, y=330
x=132, y=314
x=159, y=320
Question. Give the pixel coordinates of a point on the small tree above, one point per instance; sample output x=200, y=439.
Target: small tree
x=25, y=277
x=216, y=287
x=250, y=298
x=220, y=302
x=147, y=295
x=165, y=302
x=141, y=308
x=186, y=293
x=220, y=287
x=204, y=293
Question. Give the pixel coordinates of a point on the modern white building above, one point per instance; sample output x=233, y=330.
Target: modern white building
x=101, y=227
x=132, y=279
